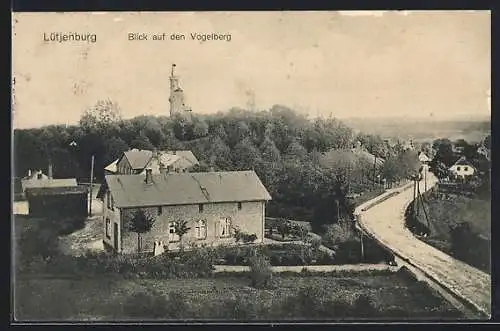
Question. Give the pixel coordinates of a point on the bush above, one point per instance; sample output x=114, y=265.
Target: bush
x=315, y=243
x=260, y=271
x=143, y=305
x=336, y=234
x=197, y=263
x=365, y=306
x=313, y=302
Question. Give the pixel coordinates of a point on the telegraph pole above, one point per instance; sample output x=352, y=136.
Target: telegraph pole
x=91, y=184
x=362, y=248
x=425, y=178
x=374, y=170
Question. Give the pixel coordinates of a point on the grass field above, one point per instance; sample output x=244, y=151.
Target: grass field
x=104, y=299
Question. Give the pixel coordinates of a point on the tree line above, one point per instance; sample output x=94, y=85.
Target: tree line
x=285, y=148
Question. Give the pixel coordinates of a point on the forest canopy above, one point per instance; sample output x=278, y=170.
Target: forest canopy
x=286, y=149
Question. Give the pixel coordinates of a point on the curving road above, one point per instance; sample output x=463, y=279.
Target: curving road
x=385, y=222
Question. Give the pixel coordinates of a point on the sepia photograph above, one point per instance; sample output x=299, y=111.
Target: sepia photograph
x=249, y=167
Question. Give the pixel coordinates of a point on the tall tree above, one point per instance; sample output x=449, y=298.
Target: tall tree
x=140, y=221
x=100, y=116
x=181, y=228
x=444, y=152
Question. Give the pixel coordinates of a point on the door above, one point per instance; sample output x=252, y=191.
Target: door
x=115, y=235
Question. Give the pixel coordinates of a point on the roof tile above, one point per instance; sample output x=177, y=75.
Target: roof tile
x=186, y=188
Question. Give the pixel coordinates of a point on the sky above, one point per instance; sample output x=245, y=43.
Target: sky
x=373, y=64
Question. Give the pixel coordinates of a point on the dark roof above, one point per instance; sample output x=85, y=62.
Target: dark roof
x=56, y=190
x=333, y=156
x=41, y=183
x=138, y=159
x=186, y=188
x=463, y=161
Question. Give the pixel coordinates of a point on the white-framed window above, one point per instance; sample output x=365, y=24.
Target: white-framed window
x=108, y=228
x=201, y=229
x=225, y=227
x=172, y=234
x=466, y=168
x=458, y=168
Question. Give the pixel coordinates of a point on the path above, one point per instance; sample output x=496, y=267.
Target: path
x=313, y=268
x=386, y=222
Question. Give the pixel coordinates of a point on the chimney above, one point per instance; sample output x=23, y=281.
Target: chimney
x=149, y=176
x=49, y=171
x=29, y=172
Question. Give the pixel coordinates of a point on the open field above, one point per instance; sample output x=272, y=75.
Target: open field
x=394, y=294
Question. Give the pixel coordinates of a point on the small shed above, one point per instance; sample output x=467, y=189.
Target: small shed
x=58, y=201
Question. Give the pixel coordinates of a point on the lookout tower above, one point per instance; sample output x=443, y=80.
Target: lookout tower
x=177, y=102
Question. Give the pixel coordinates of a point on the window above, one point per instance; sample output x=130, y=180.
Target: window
x=108, y=228
x=110, y=200
x=201, y=229
x=112, y=203
x=159, y=211
x=225, y=228
x=172, y=235
x=466, y=168
x=239, y=205
x=200, y=208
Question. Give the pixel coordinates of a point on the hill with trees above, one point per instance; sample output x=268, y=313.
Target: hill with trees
x=283, y=147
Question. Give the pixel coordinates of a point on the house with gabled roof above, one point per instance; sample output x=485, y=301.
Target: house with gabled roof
x=37, y=179
x=462, y=168
x=214, y=204
x=136, y=161
x=422, y=157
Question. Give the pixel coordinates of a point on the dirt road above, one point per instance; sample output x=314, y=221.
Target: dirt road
x=386, y=222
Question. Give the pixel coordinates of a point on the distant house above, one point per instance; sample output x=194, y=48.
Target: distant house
x=214, y=204
x=136, y=161
x=59, y=201
x=483, y=150
x=423, y=158
x=462, y=168
x=36, y=179
x=350, y=155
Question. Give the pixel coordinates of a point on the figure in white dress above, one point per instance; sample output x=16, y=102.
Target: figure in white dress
x=158, y=248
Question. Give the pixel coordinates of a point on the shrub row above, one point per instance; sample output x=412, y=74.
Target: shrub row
x=193, y=264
